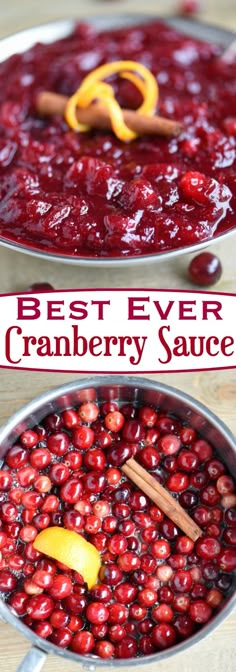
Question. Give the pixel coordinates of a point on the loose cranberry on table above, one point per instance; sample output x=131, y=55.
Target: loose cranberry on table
x=40, y=287
x=205, y=269
x=155, y=586
x=189, y=7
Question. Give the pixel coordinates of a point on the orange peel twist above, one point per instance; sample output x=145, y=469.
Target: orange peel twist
x=94, y=88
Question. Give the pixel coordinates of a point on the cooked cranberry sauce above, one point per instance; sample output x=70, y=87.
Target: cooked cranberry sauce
x=91, y=195
x=155, y=587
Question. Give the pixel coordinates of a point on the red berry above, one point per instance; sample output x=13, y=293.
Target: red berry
x=118, y=613
x=181, y=581
x=104, y=649
x=200, y=611
x=177, y=482
x=127, y=648
x=163, y=636
x=61, y=587
x=88, y=412
x=83, y=642
x=6, y=480
x=208, y=548
x=71, y=491
x=114, y=421
x=97, y=613
x=83, y=438
x=161, y=549
x=205, y=269
x=29, y=438
x=39, y=607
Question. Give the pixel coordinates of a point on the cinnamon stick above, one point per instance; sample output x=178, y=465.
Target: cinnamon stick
x=96, y=116
x=162, y=498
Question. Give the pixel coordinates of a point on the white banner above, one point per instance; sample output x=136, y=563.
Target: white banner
x=118, y=331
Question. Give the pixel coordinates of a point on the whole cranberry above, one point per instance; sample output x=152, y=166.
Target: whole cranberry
x=71, y=491
x=17, y=456
x=61, y=637
x=18, y=601
x=29, y=438
x=118, y=613
x=110, y=574
x=203, y=449
x=114, y=421
x=169, y=444
x=160, y=549
x=149, y=457
x=181, y=603
x=61, y=587
x=101, y=593
x=73, y=520
x=39, y=287
x=6, y=480
x=229, y=536
x=145, y=645
x=177, y=482
x=127, y=648
x=168, y=529
x=75, y=603
x=39, y=607
x=181, y=581
x=230, y=516
x=97, y=613
x=227, y=559
x=208, y=548
x=58, y=443
x=118, y=453
x=88, y=412
x=117, y=544
x=7, y=581
x=93, y=482
x=83, y=642
x=83, y=437
x=104, y=649
x=59, y=473
x=125, y=592
x=162, y=613
x=147, y=597
x=205, y=269
x=188, y=460
x=163, y=636
x=133, y=431
x=184, y=626
x=95, y=459
x=200, y=611
x=147, y=416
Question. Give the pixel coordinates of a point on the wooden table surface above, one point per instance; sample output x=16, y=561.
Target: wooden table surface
x=17, y=271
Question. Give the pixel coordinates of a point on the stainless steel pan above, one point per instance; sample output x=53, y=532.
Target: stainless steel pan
x=140, y=391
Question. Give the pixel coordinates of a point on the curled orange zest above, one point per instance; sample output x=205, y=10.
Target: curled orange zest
x=94, y=88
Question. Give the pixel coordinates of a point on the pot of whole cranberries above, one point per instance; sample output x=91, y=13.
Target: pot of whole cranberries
x=93, y=198
x=90, y=568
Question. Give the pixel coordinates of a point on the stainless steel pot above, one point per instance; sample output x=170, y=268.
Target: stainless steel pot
x=139, y=391
x=53, y=31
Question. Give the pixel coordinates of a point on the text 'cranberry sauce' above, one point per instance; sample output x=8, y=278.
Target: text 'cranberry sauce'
x=92, y=195
x=155, y=586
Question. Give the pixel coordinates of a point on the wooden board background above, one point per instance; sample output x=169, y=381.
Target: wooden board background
x=17, y=271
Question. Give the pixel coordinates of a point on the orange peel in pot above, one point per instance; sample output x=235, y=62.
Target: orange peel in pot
x=72, y=550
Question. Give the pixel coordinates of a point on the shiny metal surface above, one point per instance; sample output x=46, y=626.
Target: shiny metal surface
x=52, y=31
x=139, y=391
x=33, y=661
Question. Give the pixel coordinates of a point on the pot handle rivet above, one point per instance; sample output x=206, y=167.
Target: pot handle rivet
x=33, y=661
